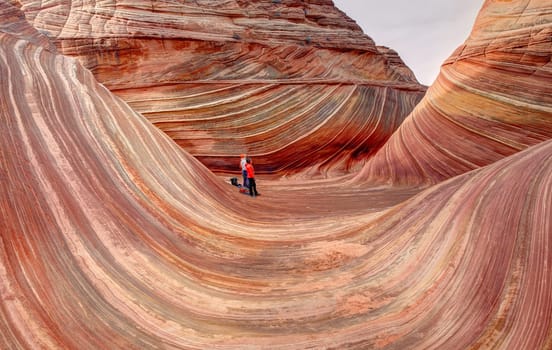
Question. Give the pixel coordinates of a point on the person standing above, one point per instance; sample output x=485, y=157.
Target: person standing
x=251, y=178
x=243, y=162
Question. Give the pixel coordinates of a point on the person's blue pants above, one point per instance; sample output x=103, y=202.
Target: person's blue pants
x=245, y=183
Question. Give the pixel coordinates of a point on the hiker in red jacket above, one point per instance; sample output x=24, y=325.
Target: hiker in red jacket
x=251, y=178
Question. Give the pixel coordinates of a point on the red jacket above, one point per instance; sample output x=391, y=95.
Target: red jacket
x=250, y=171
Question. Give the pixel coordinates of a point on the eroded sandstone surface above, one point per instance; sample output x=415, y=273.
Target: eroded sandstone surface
x=295, y=84
x=114, y=237
x=491, y=99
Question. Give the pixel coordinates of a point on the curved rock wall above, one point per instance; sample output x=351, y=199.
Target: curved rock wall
x=111, y=240
x=227, y=77
x=113, y=237
x=14, y=22
x=490, y=100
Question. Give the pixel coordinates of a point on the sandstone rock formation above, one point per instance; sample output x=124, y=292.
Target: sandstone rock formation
x=14, y=23
x=113, y=237
x=491, y=99
x=295, y=84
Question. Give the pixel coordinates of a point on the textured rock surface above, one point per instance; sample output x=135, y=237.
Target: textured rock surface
x=294, y=84
x=15, y=23
x=112, y=237
x=491, y=99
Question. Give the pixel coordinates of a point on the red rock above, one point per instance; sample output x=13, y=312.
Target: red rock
x=264, y=68
x=15, y=23
x=491, y=100
x=112, y=237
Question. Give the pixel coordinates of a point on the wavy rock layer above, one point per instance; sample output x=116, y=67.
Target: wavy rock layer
x=105, y=246
x=14, y=22
x=112, y=237
x=491, y=99
x=229, y=77
x=315, y=128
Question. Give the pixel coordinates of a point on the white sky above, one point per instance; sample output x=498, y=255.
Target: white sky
x=424, y=32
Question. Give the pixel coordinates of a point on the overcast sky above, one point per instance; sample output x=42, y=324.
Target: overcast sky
x=423, y=32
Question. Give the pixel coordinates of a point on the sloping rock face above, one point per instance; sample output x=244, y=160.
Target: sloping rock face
x=491, y=99
x=294, y=84
x=113, y=237
x=15, y=23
